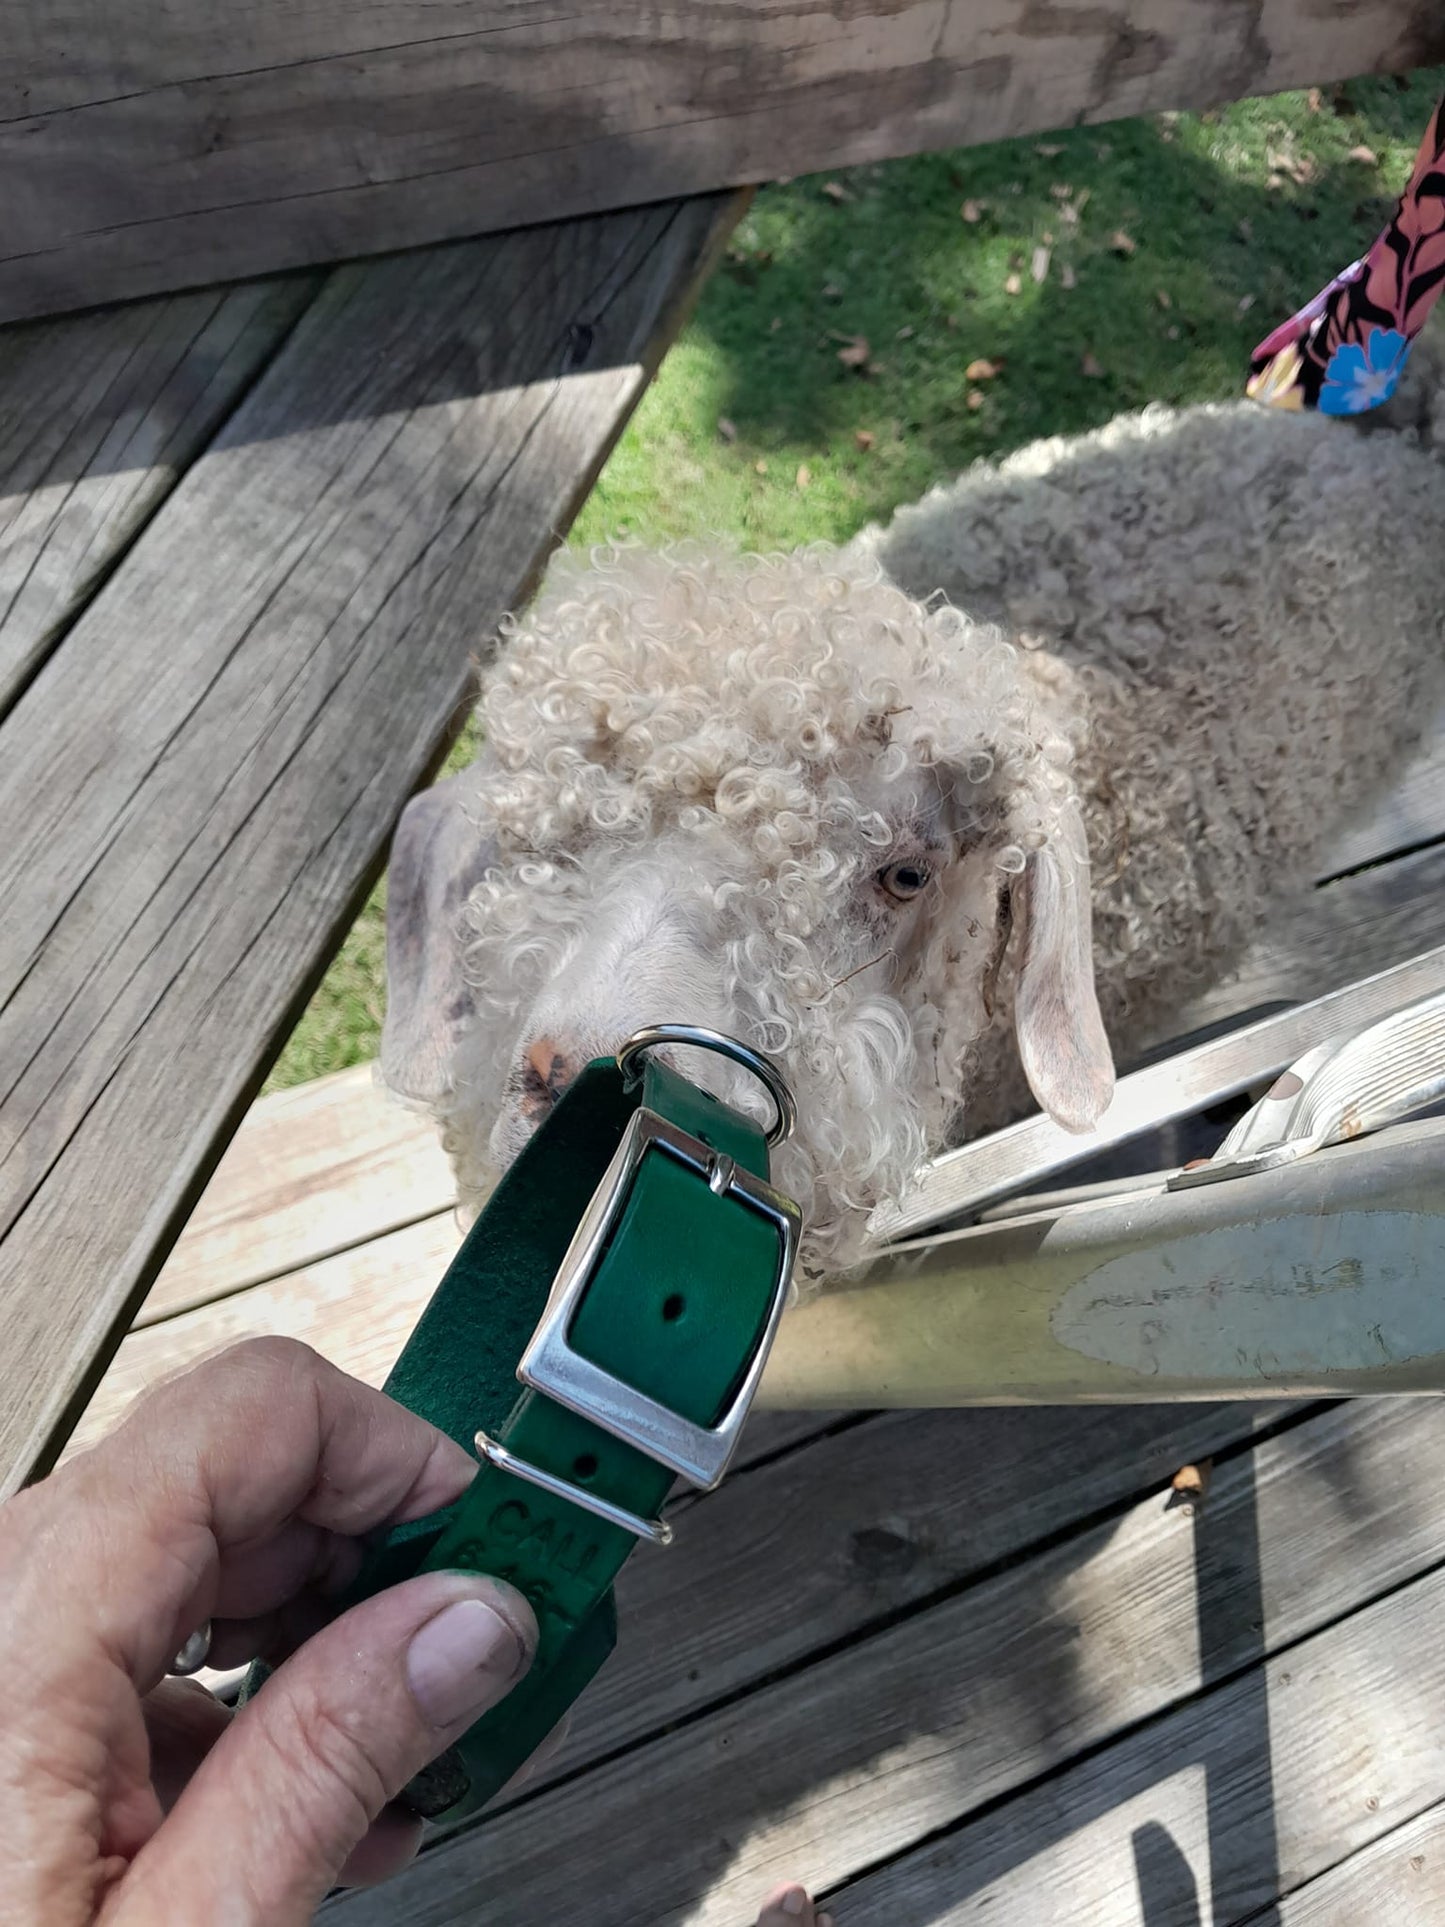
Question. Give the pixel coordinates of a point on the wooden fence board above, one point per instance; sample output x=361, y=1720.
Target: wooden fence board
x=99, y=415
x=203, y=779
x=856, y=1758
x=146, y=147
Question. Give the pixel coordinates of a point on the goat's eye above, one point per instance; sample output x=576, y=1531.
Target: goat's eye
x=904, y=881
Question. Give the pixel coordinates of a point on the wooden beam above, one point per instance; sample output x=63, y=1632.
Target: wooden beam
x=198, y=791
x=145, y=147
x=100, y=415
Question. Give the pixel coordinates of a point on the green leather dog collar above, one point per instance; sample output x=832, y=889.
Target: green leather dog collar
x=630, y=1268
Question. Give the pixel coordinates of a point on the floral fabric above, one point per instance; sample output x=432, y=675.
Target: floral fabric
x=1344, y=353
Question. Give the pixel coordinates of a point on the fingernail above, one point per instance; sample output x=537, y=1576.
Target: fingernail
x=463, y=1661
x=794, y=1901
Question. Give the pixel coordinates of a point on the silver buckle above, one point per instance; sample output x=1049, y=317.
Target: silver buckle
x=697, y=1453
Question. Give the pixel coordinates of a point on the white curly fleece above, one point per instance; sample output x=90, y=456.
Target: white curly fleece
x=712, y=782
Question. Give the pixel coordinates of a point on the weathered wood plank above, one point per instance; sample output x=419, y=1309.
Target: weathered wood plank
x=1399, y=1878
x=99, y=414
x=198, y=787
x=151, y=148
x=859, y=1756
x=312, y=1171
x=1212, y=1811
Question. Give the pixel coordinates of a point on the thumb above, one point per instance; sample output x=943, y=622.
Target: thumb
x=293, y=1785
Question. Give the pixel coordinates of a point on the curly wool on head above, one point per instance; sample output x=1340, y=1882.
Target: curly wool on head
x=775, y=713
x=804, y=797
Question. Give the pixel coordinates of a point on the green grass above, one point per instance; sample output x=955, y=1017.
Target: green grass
x=1173, y=244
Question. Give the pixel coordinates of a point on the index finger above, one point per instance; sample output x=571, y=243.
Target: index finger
x=220, y=1457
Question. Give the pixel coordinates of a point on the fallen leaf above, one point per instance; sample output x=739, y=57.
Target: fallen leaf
x=761, y=465
x=831, y=291
x=1245, y=230
x=865, y=438
x=1246, y=302
x=1123, y=243
x=982, y=370
x=1090, y=366
x=836, y=191
x=1012, y=284
x=1172, y=333
x=904, y=334
x=1048, y=149
x=775, y=324
x=1085, y=196
x=1047, y=237
x=1366, y=156
x=974, y=398
x=1067, y=278
x=1039, y=265
x=876, y=368
x=1164, y=298
x=856, y=354
x=728, y=430
x=1061, y=191
x=803, y=476
x=1315, y=99
x=1190, y=1485
x=972, y=211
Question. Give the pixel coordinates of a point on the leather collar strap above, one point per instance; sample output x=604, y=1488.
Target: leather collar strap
x=651, y=1197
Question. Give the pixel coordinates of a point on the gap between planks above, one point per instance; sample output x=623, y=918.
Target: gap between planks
x=1106, y=1666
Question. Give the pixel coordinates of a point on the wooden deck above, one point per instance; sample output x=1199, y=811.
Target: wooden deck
x=969, y=1666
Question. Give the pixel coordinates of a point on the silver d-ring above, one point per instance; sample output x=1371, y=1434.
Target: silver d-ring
x=762, y=1068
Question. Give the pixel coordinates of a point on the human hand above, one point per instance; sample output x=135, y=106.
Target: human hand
x=239, y=1493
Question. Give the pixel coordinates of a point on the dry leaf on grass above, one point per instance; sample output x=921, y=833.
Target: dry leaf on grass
x=1123, y=243
x=1245, y=303
x=972, y=211
x=856, y=352
x=831, y=291
x=728, y=430
x=1039, y=265
x=1048, y=149
x=1067, y=277
x=865, y=438
x=761, y=465
x=904, y=334
x=1245, y=230
x=974, y=398
x=1061, y=191
x=1366, y=156
x=1012, y=284
x=775, y=324
x=803, y=476
x=983, y=369
x=836, y=191
x=1163, y=297
x=1315, y=99
x=1089, y=365
x=1171, y=334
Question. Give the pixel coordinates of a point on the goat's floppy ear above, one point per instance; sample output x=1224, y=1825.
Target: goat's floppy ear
x=437, y=856
x=1061, y=1039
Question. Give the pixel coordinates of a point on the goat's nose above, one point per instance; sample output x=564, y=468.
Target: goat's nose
x=547, y=1069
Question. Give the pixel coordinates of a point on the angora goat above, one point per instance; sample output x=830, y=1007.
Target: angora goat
x=857, y=806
